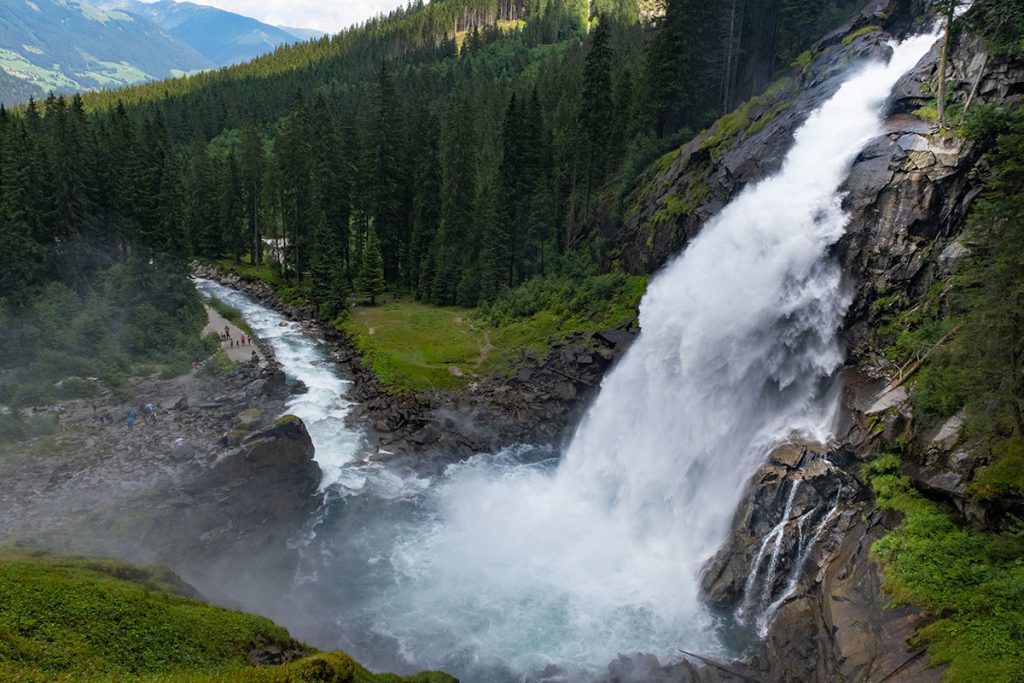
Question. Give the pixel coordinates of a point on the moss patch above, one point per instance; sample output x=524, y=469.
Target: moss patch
x=749, y=118
x=862, y=31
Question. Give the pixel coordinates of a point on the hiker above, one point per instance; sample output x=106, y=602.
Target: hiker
x=254, y=358
x=227, y=332
x=131, y=417
x=150, y=412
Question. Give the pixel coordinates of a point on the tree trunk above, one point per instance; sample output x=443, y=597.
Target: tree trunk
x=941, y=101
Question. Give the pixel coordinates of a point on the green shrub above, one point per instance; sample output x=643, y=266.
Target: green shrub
x=970, y=582
x=131, y=317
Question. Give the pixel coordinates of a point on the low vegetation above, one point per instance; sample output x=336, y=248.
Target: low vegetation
x=87, y=619
x=971, y=582
x=981, y=369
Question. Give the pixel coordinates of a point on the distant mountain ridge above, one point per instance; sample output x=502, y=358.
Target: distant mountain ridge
x=68, y=45
x=72, y=45
x=222, y=37
x=303, y=33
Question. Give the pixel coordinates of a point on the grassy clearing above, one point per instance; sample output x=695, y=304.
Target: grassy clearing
x=85, y=619
x=415, y=346
x=971, y=582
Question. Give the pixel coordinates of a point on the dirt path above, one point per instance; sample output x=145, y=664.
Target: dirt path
x=485, y=350
x=235, y=351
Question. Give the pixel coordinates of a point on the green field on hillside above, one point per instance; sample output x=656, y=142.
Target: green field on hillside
x=90, y=619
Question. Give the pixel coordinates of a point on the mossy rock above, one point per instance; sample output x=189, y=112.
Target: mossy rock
x=249, y=419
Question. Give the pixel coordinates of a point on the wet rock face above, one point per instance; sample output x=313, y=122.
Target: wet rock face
x=784, y=527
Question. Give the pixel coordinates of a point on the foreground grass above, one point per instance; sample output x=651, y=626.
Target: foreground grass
x=85, y=619
x=971, y=582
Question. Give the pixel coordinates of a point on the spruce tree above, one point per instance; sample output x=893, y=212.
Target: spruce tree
x=252, y=164
x=371, y=270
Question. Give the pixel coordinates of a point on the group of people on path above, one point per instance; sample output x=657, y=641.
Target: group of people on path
x=242, y=341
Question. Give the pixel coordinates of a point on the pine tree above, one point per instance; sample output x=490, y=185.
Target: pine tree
x=252, y=165
x=328, y=278
x=596, y=113
x=292, y=156
x=947, y=8
x=371, y=270
x=388, y=186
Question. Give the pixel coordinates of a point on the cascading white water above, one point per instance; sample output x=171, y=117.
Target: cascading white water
x=510, y=562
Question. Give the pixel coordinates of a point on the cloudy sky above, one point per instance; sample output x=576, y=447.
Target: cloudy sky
x=329, y=16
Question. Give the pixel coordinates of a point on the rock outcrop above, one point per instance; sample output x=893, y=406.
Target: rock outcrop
x=213, y=487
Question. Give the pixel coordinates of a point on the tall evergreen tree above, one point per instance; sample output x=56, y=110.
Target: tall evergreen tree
x=252, y=168
x=371, y=270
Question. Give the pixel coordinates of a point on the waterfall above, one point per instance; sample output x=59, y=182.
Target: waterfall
x=738, y=352
x=514, y=561
x=739, y=339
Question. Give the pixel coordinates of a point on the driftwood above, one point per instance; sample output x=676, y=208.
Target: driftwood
x=921, y=361
x=974, y=88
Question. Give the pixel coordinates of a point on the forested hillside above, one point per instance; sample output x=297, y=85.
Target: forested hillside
x=475, y=143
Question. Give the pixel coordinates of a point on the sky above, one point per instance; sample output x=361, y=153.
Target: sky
x=329, y=16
